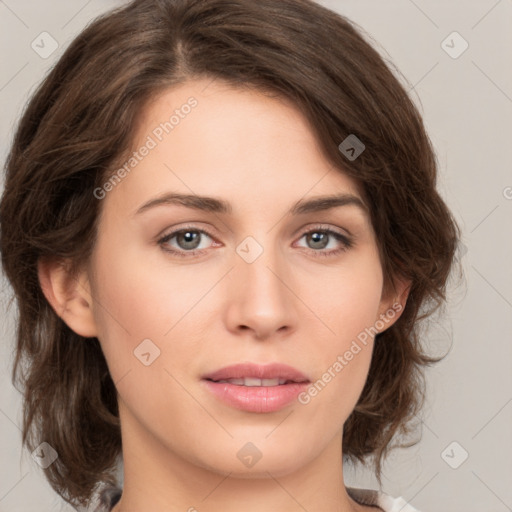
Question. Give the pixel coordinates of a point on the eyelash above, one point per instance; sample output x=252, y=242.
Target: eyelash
x=346, y=242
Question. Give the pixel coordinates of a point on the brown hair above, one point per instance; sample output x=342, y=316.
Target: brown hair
x=80, y=122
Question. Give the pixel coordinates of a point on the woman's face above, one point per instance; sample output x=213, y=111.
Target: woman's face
x=241, y=284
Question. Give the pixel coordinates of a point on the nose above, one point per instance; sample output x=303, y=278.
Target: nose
x=261, y=298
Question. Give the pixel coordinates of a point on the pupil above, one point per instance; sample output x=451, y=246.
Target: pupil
x=188, y=237
x=319, y=238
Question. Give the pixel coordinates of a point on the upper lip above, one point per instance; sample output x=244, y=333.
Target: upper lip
x=258, y=371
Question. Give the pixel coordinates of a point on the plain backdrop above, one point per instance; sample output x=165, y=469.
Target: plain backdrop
x=462, y=83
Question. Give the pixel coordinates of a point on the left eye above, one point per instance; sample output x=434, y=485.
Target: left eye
x=321, y=237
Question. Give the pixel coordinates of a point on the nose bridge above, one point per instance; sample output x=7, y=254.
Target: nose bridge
x=260, y=267
x=262, y=300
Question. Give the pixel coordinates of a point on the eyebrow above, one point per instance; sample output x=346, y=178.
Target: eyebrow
x=216, y=205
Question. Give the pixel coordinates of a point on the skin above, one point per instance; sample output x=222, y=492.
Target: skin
x=204, y=312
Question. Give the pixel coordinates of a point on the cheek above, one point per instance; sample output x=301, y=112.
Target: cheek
x=350, y=300
x=136, y=305
x=138, y=297
x=349, y=307
x=136, y=300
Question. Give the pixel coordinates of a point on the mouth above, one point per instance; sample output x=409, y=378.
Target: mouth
x=256, y=388
x=255, y=382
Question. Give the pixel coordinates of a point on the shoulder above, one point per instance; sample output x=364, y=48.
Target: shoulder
x=380, y=500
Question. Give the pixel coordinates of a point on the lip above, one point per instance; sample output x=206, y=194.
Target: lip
x=268, y=371
x=259, y=399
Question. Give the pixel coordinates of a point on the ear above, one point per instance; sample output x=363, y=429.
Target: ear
x=69, y=295
x=392, y=304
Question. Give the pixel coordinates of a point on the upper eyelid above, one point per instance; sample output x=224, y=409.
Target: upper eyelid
x=175, y=231
x=321, y=226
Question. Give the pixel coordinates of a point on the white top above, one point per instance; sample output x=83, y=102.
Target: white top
x=380, y=500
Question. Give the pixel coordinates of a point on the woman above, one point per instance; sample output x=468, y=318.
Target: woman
x=221, y=226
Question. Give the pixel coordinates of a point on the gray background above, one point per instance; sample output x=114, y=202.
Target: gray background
x=467, y=106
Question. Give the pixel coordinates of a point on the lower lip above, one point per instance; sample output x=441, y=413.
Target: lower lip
x=256, y=398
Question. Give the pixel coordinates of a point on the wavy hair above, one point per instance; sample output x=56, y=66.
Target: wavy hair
x=79, y=124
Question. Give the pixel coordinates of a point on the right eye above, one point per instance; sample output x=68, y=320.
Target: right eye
x=187, y=239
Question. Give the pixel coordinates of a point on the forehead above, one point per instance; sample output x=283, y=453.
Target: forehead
x=208, y=138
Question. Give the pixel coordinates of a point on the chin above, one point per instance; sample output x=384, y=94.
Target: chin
x=277, y=462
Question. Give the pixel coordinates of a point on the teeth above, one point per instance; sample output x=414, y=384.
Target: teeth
x=253, y=382
x=238, y=382
x=250, y=381
x=270, y=382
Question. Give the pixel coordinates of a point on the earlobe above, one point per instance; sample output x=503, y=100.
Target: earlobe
x=69, y=296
